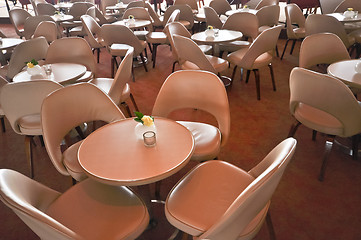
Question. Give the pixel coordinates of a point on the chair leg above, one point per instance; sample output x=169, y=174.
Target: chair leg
x=258, y=87
x=247, y=75
x=294, y=128
x=134, y=103
x=41, y=140
x=2, y=123
x=29, y=154
x=143, y=61
x=157, y=190
x=173, y=67
x=293, y=46
x=154, y=54
x=328, y=148
x=277, y=53
x=355, y=143
x=80, y=132
x=234, y=72
x=272, y=76
x=284, y=50
x=112, y=63
x=125, y=105
x=314, y=134
x=98, y=54
x=270, y=226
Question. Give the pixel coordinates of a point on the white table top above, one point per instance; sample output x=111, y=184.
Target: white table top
x=114, y=154
x=340, y=17
x=7, y=43
x=138, y=23
x=118, y=6
x=345, y=71
x=64, y=5
x=63, y=73
x=230, y=12
x=223, y=36
x=62, y=17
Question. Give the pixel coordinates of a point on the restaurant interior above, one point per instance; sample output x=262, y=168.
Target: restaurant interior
x=303, y=206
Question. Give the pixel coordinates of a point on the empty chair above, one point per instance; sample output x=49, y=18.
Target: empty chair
x=345, y=4
x=329, y=6
x=47, y=29
x=220, y=6
x=268, y=16
x=264, y=3
x=200, y=205
x=326, y=114
x=185, y=16
x=99, y=16
x=79, y=213
x=46, y=9
x=93, y=32
x=253, y=3
x=32, y=23
x=192, y=3
x=107, y=13
x=17, y=17
x=197, y=90
x=258, y=55
x=295, y=25
x=21, y=103
x=212, y=18
x=64, y=110
x=157, y=22
x=74, y=27
x=142, y=14
x=2, y=114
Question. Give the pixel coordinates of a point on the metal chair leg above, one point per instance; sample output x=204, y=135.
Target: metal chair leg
x=328, y=148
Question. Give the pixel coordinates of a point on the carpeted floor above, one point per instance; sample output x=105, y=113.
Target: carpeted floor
x=302, y=208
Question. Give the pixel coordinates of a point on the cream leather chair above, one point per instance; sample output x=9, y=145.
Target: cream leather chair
x=220, y=6
x=108, y=13
x=74, y=27
x=329, y=6
x=142, y=14
x=118, y=88
x=66, y=109
x=194, y=89
x=32, y=23
x=93, y=34
x=264, y=3
x=295, y=16
x=47, y=29
x=212, y=18
x=2, y=114
x=17, y=17
x=185, y=17
x=157, y=22
x=21, y=103
x=326, y=114
x=134, y=4
x=253, y=3
x=259, y=54
x=99, y=16
x=79, y=213
x=356, y=5
x=200, y=205
x=268, y=16
x=46, y=9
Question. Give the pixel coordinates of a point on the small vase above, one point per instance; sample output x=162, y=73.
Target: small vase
x=140, y=129
x=36, y=70
x=348, y=14
x=358, y=67
x=131, y=21
x=209, y=33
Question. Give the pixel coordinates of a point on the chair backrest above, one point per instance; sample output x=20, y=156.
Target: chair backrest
x=256, y=196
x=156, y=20
x=244, y=22
x=122, y=77
x=329, y=6
x=71, y=50
x=69, y=107
x=174, y=17
x=105, y=3
x=198, y=90
x=95, y=13
x=112, y=33
x=17, y=17
x=265, y=42
x=189, y=52
x=186, y=14
x=24, y=52
x=192, y=3
x=139, y=13
x=19, y=99
x=32, y=23
x=315, y=49
x=319, y=23
x=45, y=9
x=178, y=29
x=264, y=3
x=305, y=88
x=294, y=15
x=47, y=29
x=212, y=17
x=268, y=15
x=92, y=30
x=220, y=6
x=137, y=3
x=78, y=9
x=253, y=3
x=355, y=4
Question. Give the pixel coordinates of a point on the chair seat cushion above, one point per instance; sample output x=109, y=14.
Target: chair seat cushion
x=207, y=140
x=30, y=125
x=300, y=32
x=186, y=24
x=205, y=194
x=207, y=49
x=141, y=34
x=156, y=38
x=86, y=77
x=219, y=64
x=106, y=83
x=237, y=59
x=234, y=46
x=70, y=161
x=97, y=211
x=118, y=49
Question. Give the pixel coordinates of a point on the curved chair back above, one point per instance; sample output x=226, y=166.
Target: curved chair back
x=256, y=196
x=46, y=9
x=78, y=9
x=315, y=49
x=105, y=3
x=294, y=15
x=71, y=50
x=156, y=20
x=198, y=90
x=178, y=29
x=192, y=3
x=305, y=88
x=253, y=3
x=47, y=29
x=244, y=22
x=329, y=6
x=26, y=51
x=134, y=4
x=212, y=17
x=264, y=3
x=98, y=16
x=17, y=17
x=186, y=15
x=92, y=30
x=220, y=6
x=139, y=13
x=319, y=23
x=19, y=99
x=355, y=4
x=32, y=23
x=69, y=107
x=268, y=15
x=174, y=17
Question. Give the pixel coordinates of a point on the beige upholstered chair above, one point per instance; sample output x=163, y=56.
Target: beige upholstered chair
x=17, y=17
x=107, y=13
x=118, y=88
x=73, y=50
x=32, y=23
x=200, y=205
x=268, y=16
x=142, y=14
x=157, y=22
x=47, y=29
x=192, y=3
x=99, y=16
x=134, y=4
x=185, y=17
x=220, y=6
x=329, y=6
x=46, y=9
x=93, y=32
x=79, y=213
x=66, y=109
x=194, y=89
x=264, y=3
x=118, y=39
x=74, y=27
x=179, y=29
x=21, y=103
x=253, y=3
x=2, y=114
x=259, y=54
x=295, y=16
x=212, y=18
x=326, y=114
x=355, y=4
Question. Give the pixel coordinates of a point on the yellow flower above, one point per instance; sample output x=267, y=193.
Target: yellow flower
x=30, y=65
x=131, y=17
x=245, y=6
x=147, y=120
x=210, y=27
x=349, y=9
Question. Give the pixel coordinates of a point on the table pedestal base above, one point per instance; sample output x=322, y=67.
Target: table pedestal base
x=345, y=145
x=227, y=81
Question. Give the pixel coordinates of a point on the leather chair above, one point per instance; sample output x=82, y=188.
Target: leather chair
x=212, y=18
x=329, y=6
x=2, y=114
x=47, y=29
x=21, y=103
x=99, y=16
x=67, y=109
x=356, y=5
x=32, y=23
x=93, y=34
x=142, y=14
x=185, y=17
x=268, y=16
x=79, y=213
x=220, y=6
x=74, y=27
x=264, y=3
x=200, y=205
x=17, y=17
x=46, y=9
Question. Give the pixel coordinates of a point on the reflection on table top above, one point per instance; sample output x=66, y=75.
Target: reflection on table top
x=63, y=73
x=340, y=17
x=230, y=12
x=118, y=6
x=138, y=23
x=223, y=36
x=63, y=5
x=62, y=17
x=345, y=71
x=7, y=43
x=114, y=154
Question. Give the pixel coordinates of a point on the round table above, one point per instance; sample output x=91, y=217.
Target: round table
x=6, y=44
x=230, y=12
x=345, y=71
x=138, y=23
x=114, y=154
x=62, y=17
x=63, y=73
x=340, y=17
x=118, y=6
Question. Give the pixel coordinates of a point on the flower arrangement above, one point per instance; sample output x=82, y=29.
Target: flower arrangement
x=245, y=6
x=57, y=13
x=144, y=119
x=209, y=27
x=130, y=17
x=32, y=63
x=349, y=9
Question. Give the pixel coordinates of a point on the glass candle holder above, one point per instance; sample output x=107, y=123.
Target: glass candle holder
x=149, y=139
